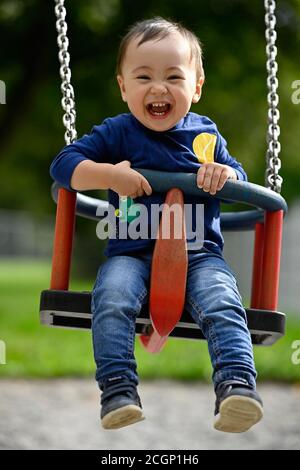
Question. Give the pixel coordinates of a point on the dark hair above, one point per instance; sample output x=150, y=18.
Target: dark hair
x=159, y=28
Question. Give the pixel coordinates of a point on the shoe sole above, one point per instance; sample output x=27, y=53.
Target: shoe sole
x=123, y=416
x=238, y=414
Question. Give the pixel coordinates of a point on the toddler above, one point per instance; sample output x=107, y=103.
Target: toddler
x=160, y=74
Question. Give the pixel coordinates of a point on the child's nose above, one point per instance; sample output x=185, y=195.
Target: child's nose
x=158, y=88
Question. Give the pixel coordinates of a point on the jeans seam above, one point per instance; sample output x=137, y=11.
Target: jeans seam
x=142, y=295
x=134, y=313
x=131, y=338
x=211, y=330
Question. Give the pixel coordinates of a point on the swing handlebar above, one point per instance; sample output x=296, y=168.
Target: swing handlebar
x=251, y=194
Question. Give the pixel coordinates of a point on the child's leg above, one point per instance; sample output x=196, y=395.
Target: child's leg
x=214, y=302
x=118, y=295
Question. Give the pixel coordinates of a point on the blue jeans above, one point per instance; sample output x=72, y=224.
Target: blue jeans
x=212, y=299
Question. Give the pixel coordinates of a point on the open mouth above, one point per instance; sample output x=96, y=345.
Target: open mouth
x=158, y=110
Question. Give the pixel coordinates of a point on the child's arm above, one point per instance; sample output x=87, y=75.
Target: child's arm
x=120, y=178
x=91, y=175
x=88, y=164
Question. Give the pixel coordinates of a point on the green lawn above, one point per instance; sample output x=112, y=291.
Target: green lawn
x=38, y=351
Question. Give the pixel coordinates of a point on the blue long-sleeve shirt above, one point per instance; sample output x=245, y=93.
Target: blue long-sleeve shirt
x=194, y=140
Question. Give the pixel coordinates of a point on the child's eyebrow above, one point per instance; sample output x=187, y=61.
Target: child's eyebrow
x=173, y=67
x=141, y=67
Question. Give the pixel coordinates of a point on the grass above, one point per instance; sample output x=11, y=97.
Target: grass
x=37, y=351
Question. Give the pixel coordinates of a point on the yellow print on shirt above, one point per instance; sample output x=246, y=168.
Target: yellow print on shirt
x=204, y=147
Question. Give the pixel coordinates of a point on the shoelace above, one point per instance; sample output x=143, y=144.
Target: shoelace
x=232, y=384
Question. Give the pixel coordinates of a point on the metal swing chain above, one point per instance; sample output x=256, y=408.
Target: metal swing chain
x=272, y=178
x=68, y=99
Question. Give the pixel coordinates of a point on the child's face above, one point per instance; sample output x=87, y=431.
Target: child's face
x=158, y=81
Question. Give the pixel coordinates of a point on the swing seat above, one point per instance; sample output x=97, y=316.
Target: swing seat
x=70, y=309
x=60, y=307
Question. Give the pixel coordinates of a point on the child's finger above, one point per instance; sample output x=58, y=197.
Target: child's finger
x=146, y=186
x=215, y=181
x=200, y=176
x=138, y=193
x=209, y=171
x=222, y=180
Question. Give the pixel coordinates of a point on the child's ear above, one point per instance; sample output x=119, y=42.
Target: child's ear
x=122, y=87
x=198, y=91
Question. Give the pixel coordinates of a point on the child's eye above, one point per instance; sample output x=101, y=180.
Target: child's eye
x=143, y=77
x=175, y=77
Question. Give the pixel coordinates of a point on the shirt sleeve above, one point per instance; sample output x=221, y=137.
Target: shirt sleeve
x=100, y=146
x=223, y=157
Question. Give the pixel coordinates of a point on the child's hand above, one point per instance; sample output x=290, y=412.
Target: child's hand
x=128, y=182
x=212, y=176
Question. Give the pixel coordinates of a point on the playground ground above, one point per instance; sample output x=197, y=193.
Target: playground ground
x=63, y=414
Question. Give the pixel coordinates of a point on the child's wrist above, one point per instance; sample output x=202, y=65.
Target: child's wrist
x=111, y=170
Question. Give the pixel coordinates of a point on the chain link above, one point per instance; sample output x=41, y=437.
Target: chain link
x=272, y=179
x=68, y=97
